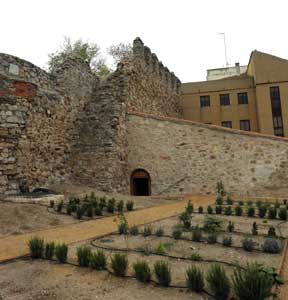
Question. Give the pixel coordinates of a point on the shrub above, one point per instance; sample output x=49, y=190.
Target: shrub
x=218, y=209
x=134, y=230
x=89, y=211
x=271, y=245
x=102, y=203
x=230, y=227
x=142, y=271
x=130, y=205
x=163, y=273
x=230, y=201
x=220, y=188
x=272, y=212
x=277, y=204
x=161, y=250
x=98, y=210
x=159, y=232
x=249, y=203
x=36, y=247
x=259, y=203
x=194, y=279
x=210, y=210
x=219, y=200
x=122, y=224
x=228, y=211
x=185, y=219
x=200, y=209
x=241, y=203
x=61, y=252
x=49, y=250
x=196, y=234
x=83, y=256
x=69, y=209
x=248, y=244
x=189, y=208
x=218, y=282
x=177, y=233
x=262, y=210
x=52, y=203
x=59, y=206
x=111, y=205
x=98, y=260
x=147, y=230
x=238, y=210
x=251, y=211
x=251, y=283
x=283, y=213
x=254, y=228
x=227, y=241
x=271, y=231
x=120, y=206
x=119, y=264
x=212, y=224
x=212, y=238
x=79, y=212
x=196, y=257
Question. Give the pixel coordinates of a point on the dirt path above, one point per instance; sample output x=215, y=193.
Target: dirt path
x=14, y=246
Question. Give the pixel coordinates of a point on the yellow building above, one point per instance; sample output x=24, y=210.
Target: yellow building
x=256, y=100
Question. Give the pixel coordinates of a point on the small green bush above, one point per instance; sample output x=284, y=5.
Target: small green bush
x=212, y=224
x=271, y=245
x=259, y=203
x=98, y=210
x=251, y=211
x=262, y=210
x=212, y=238
x=83, y=256
x=230, y=227
x=254, y=228
x=271, y=232
x=123, y=227
x=111, y=205
x=218, y=209
x=218, y=282
x=61, y=252
x=227, y=241
x=189, y=208
x=52, y=203
x=90, y=211
x=36, y=247
x=120, y=206
x=210, y=210
x=196, y=257
x=251, y=283
x=60, y=206
x=177, y=233
x=119, y=264
x=196, y=234
x=219, y=200
x=277, y=204
x=147, y=231
x=134, y=230
x=283, y=214
x=272, y=212
x=102, y=203
x=159, y=232
x=98, y=260
x=228, y=211
x=194, y=279
x=142, y=271
x=49, y=250
x=130, y=205
x=230, y=201
x=68, y=209
x=200, y=209
x=163, y=273
x=249, y=203
x=79, y=212
x=238, y=210
x=160, y=249
x=248, y=244
x=185, y=219
x=241, y=203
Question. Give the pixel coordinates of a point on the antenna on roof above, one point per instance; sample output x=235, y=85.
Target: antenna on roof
x=225, y=48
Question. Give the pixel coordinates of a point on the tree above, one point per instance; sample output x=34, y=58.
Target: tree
x=120, y=51
x=88, y=52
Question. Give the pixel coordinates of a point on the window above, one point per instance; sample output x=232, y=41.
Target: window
x=227, y=124
x=204, y=101
x=242, y=98
x=276, y=111
x=224, y=99
x=245, y=125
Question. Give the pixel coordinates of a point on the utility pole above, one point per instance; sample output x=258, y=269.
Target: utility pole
x=225, y=48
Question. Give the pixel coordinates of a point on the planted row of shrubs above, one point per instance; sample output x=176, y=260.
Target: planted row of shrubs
x=263, y=211
x=90, y=208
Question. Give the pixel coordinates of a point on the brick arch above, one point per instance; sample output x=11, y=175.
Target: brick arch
x=140, y=183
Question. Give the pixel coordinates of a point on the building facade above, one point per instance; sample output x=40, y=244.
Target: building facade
x=253, y=101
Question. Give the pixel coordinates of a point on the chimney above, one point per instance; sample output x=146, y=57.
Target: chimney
x=237, y=67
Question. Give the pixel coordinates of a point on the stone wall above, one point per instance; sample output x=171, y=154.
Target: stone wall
x=185, y=157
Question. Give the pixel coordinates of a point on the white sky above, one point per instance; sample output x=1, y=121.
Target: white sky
x=182, y=33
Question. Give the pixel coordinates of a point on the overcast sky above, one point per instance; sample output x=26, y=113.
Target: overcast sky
x=182, y=33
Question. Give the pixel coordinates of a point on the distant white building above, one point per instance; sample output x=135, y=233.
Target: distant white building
x=220, y=73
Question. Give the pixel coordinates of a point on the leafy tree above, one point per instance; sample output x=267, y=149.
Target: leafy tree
x=120, y=51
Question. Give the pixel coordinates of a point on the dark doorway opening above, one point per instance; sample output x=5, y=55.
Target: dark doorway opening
x=140, y=183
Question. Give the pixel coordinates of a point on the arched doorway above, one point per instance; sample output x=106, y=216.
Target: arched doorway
x=140, y=183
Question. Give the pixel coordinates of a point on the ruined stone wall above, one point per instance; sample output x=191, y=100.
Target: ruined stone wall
x=185, y=157
x=38, y=121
